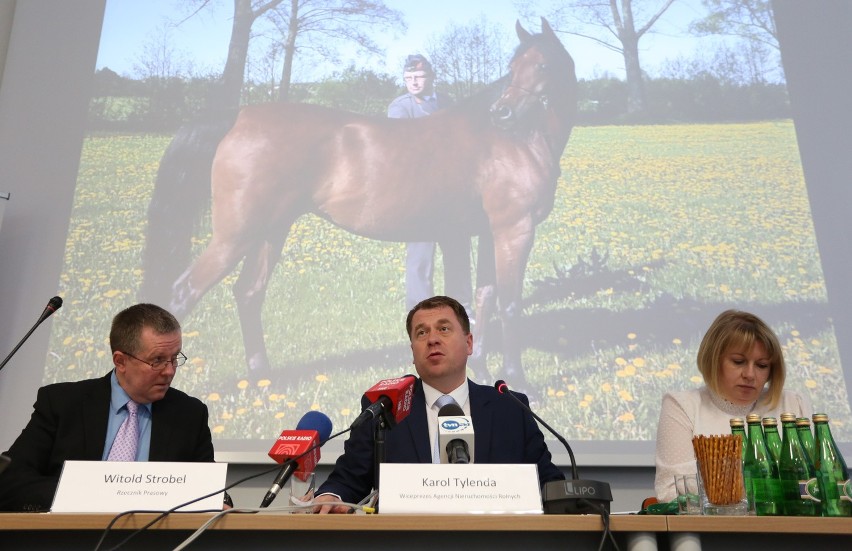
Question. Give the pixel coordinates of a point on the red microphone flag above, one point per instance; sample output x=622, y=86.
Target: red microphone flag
x=399, y=391
x=292, y=444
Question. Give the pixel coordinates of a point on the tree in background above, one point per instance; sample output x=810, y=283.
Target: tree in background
x=319, y=25
x=620, y=26
x=754, y=23
x=468, y=57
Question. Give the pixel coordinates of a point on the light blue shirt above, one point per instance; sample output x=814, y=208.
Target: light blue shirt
x=117, y=415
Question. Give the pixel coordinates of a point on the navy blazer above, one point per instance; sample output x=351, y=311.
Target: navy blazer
x=503, y=433
x=69, y=422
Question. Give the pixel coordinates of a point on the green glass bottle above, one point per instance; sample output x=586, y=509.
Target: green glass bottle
x=803, y=427
x=773, y=439
x=831, y=471
x=798, y=479
x=738, y=427
x=761, y=473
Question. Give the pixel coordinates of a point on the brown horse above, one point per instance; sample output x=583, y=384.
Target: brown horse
x=491, y=170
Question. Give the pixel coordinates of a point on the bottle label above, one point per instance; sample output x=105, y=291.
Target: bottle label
x=809, y=489
x=844, y=490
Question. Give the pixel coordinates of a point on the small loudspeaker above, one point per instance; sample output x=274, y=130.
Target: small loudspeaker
x=576, y=497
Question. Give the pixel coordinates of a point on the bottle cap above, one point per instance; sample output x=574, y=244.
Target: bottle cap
x=770, y=422
x=788, y=417
x=820, y=418
x=753, y=418
x=803, y=422
x=737, y=422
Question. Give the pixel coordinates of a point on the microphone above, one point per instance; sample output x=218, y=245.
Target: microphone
x=388, y=396
x=571, y=497
x=298, y=450
x=53, y=305
x=455, y=435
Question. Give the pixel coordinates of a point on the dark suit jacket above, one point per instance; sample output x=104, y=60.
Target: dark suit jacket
x=69, y=422
x=503, y=433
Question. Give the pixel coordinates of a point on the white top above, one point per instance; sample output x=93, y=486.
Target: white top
x=689, y=413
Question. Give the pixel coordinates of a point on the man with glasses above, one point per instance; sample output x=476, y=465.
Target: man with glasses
x=421, y=99
x=130, y=414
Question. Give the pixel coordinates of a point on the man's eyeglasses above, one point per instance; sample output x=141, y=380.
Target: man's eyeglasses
x=415, y=77
x=158, y=364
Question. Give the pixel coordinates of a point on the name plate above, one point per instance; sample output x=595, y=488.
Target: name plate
x=459, y=489
x=116, y=486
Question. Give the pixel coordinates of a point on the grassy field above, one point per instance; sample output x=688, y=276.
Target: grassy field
x=654, y=231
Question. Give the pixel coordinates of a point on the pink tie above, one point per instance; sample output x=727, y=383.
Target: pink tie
x=127, y=438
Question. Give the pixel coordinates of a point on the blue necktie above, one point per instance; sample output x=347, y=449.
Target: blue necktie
x=444, y=400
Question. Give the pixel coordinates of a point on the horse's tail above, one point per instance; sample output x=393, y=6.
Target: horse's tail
x=181, y=191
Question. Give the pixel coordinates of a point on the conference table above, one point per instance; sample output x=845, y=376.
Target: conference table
x=268, y=529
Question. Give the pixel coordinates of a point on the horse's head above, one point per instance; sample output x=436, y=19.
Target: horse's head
x=541, y=77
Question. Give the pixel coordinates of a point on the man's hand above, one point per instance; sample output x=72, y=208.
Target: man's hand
x=322, y=506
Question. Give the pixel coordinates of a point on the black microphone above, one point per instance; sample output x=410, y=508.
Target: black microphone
x=52, y=306
x=455, y=434
x=571, y=497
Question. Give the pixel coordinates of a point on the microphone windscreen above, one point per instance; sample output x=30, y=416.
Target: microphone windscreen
x=318, y=421
x=55, y=303
x=451, y=410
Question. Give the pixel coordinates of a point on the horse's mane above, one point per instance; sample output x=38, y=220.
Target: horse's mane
x=478, y=104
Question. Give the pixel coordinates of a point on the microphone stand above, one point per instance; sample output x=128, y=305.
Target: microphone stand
x=386, y=422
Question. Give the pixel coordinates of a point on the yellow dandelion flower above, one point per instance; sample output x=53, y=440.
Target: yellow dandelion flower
x=243, y=384
x=321, y=378
x=196, y=361
x=626, y=417
x=794, y=332
x=213, y=397
x=71, y=366
x=625, y=395
x=620, y=373
x=101, y=353
x=606, y=387
x=572, y=388
x=676, y=341
x=588, y=398
x=263, y=383
x=822, y=370
x=620, y=361
x=112, y=293
x=810, y=383
x=227, y=415
x=67, y=341
x=257, y=403
x=551, y=392
x=241, y=411
x=291, y=405
x=631, y=336
x=584, y=404
x=695, y=379
x=345, y=412
x=816, y=342
x=218, y=429
x=279, y=415
x=315, y=407
x=673, y=367
x=638, y=362
x=630, y=370
x=191, y=334
x=273, y=397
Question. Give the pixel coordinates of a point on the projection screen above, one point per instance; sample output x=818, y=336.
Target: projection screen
x=657, y=225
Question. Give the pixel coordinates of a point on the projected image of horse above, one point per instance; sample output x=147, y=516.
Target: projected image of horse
x=492, y=170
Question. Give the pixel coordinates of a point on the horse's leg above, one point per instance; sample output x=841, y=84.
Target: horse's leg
x=249, y=293
x=218, y=259
x=512, y=246
x=485, y=301
x=456, y=255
